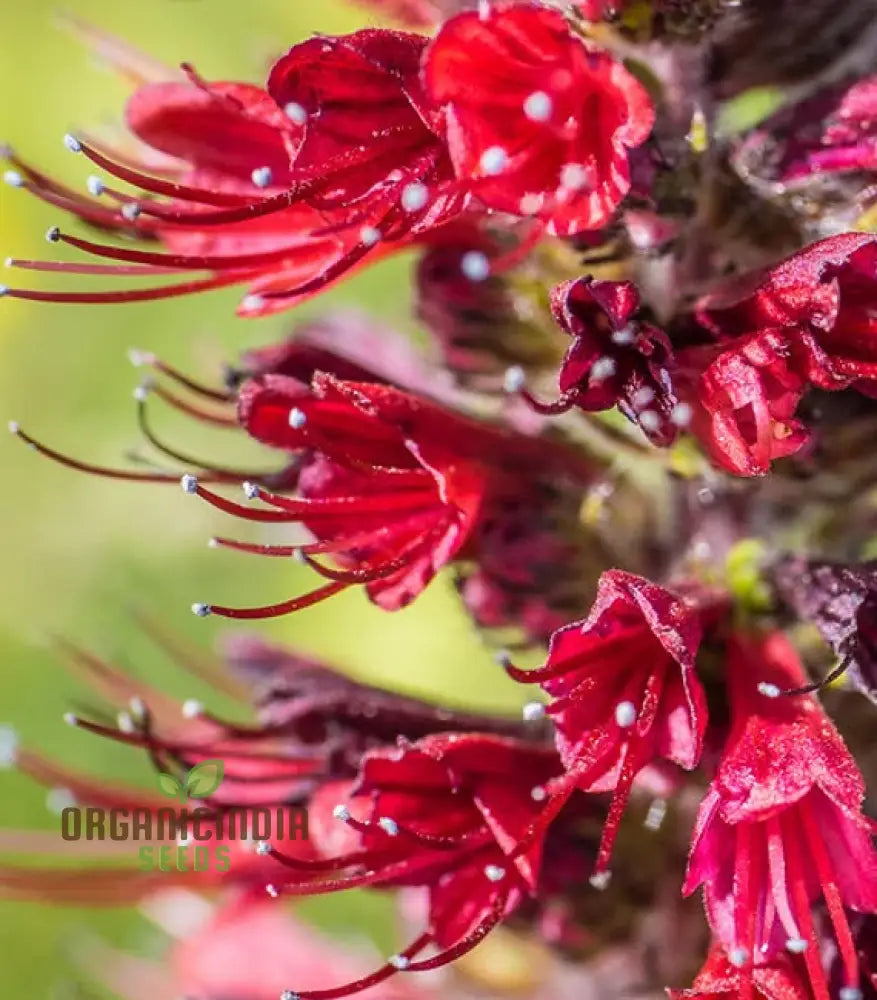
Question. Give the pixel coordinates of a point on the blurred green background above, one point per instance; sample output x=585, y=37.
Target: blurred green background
x=79, y=553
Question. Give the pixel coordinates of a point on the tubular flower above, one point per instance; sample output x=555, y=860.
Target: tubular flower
x=539, y=121
x=623, y=692
x=615, y=359
x=448, y=813
x=285, y=188
x=781, y=825
x=805, y=322
x=313, y=727
x=391, y=486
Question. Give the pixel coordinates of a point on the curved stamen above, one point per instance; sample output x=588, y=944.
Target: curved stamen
x=129, y=294
x=283, y=608
x=146, y=358
x=156, y=185
x=390, y=968
x=93, y=470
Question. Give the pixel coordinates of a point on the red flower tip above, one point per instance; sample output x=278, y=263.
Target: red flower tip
x=624, y=691
x=523, y=93
x=781, y=825
x=615, y=359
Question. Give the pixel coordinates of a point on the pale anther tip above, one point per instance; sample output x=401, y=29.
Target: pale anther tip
x=53, y=234
x=201, y=610
x=192, y=708
x=515, y=379
x=188, y=483
x=72, y=143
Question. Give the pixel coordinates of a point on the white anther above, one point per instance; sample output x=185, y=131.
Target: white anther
x=533, y=711
x=602, y=369
x=263, y=848
x=201, y=610
x=59, y=799
x=600, y=880
x=625, y=714
x=515, y=379
x=796, y=945
x=192, y=708
x=141, y=393
x=738, y=957
x=72, y=143
x=649, y=421
x=503, y=659
x=475, y=265
x=538, y=793
x=273, y=892
x=531, y=203
x=262, y=177
x=399, y=961
x=289, y=995
x=297, y=418
x=251, y=490
x=341, y=812
x=369, y=236
x=70, y=719
x=494, y=873
x=769, y=690
x=8, y=747
x=250, y=303
x=131, y=211
x=849, y=993
x=389, y=826
x=95, y=186
x=681, y=414
x=494, y=160
x=125, y=723
x=573, y=177
x=538, y=106
x=53, y=234
x=655, y=816
x=414, y=196
x=642, y=397
x=626, y=335
x=13, y=178
x=296, y=112
x=4, y=290
x=137, y=707
x=189, y=483
x=140, y=358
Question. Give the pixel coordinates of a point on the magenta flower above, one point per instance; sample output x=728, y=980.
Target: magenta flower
x=781, y=825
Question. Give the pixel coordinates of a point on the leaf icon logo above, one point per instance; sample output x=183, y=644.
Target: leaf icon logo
x=205, y=778
x=170, y=786
x=201, y=781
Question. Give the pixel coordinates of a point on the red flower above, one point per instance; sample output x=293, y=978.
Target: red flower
x=392, y=487
x=722, y=980
x=285, y=189
x=614, y=358
x=538, y=121
x=806, y=321
x=781, y=825
x=313, y=727
x=624, y=692
x=448, y=813
x=743, y=401
x=819, y=301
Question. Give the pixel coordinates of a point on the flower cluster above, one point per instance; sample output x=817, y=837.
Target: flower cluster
x=638, y=443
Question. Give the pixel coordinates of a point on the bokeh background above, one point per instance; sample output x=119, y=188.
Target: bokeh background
x=80, y=556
